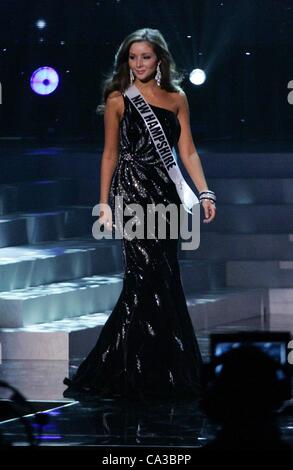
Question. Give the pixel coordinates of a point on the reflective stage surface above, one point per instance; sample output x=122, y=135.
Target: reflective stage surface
x=110, y=422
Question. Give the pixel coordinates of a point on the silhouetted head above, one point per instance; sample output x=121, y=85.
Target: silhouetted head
x=243, y=384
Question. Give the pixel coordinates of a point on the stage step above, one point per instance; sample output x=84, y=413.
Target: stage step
x=13, y=231
x=44, y=284
x=252, y=218
x=46, y=194
x=36, y=227
x=8, y=198
x=58, y=300
x=281, y=302
x=253, y=190
x=37, y=195
x=227, y=305
x=281, y=322
x=32, y=265
x=247, y=164
x=78, y=220
x=55, y=340
x=199, y=275
x=29, y=166
x=226, y=246
x=75, y=337
x=264, y=273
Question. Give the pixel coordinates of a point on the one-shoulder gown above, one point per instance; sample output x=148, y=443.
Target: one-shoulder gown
x=147, y=347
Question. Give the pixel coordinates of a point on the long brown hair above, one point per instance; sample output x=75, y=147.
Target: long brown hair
x=119, y=78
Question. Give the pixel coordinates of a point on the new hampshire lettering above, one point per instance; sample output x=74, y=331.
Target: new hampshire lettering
x=156, y=132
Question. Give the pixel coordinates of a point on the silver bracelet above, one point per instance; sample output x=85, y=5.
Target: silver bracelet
x=208, y=194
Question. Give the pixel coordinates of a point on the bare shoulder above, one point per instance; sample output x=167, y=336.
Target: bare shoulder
x=181, y=102
x=114, y=95
x=115, y=101
x=181, y=98
x=176, y=98
x=115, y=98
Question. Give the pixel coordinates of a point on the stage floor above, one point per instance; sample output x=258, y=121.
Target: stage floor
x=116, y=422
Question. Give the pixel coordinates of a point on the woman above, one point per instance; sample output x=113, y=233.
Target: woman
x=147, y=348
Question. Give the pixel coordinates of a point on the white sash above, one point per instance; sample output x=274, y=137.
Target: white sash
x=187, y=196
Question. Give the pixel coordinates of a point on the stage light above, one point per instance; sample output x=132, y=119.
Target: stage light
x=44, y=80
x=41, y=24
x=197, y=76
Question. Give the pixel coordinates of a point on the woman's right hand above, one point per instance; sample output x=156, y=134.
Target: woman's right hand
x=105, y=217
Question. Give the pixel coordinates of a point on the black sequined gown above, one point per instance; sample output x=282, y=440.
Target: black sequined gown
x=147, y=347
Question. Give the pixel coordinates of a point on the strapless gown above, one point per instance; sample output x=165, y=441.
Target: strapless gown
x=147, y=347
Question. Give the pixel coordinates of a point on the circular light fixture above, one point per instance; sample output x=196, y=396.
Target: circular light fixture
x=197, y=76
x=44, y=80
x=41, y=24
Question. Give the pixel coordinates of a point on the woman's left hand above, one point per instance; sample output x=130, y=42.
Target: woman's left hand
x=209, y=211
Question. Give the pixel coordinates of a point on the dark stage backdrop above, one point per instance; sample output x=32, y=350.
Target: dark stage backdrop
x=244, y=46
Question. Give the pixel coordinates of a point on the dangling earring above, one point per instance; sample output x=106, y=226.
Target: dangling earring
x=158, y=75
x=131, y=74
